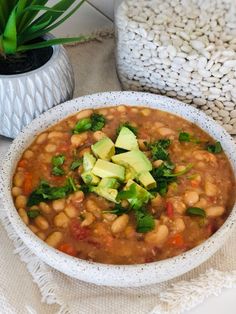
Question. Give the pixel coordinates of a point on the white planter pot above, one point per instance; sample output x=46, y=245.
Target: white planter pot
x=25, y=96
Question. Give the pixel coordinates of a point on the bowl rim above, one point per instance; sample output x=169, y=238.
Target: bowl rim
x=26, y=136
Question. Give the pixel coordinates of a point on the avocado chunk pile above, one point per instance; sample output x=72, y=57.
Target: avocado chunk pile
x=106, y=172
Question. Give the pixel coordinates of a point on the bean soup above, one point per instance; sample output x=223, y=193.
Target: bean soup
x=124, y=185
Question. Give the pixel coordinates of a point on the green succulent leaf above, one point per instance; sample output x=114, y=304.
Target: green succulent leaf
x=51, y=42
x=9, y=38
x=22, y=21
x=41, y=8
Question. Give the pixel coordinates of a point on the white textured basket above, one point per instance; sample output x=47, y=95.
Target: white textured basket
x=24, y=97
x=184, y=49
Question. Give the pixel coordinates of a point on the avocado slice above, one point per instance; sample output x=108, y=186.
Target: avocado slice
x=107, y=193
x=89, y=178
x=106, y=169
x=130, y=174
x=88, y=161
x=147, y=180
x=134, y=159
x=142, y=195
x=126, y=139
x=104, y=148
x=109, y=183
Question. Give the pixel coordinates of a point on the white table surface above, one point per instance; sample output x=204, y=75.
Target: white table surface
x=86, y=21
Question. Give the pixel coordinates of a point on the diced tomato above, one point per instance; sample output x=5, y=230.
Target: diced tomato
x=22, y=163
x=176, y=240
x=68, y=249
x=78, y=232
x=169, y=209
x=195, y=183
x=27, y=185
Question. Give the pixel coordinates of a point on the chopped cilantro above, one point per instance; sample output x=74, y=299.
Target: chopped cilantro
x=127, y=125
x=136, y=197
x=144, y=220
x=159, y=149
x=57, y=162
x=76, y=164
x=196, y=211
x=180, y=173
x=164, y=176
x=117, y=210
x=83, y=125
x=33, y=213
x=98, y=121
x=57, y=171
x=214, y=148
x=45, y=192
x=95, y=123
x=187, y=137
x=85, y=188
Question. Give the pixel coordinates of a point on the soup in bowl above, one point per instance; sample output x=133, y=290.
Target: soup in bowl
x=126, y=185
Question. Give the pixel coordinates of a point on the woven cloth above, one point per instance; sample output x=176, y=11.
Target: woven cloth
x=27, y=285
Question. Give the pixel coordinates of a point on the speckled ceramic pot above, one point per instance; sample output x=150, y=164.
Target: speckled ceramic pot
x=112, y=275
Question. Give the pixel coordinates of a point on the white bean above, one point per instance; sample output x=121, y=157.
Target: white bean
x=41, y=222
x=120, y=224
x=20, y=201
x=23, y=214
x=84, y=114
x=88, y=219
x=16, y=191
x=210, y=189
x=54, y=239
x=79, y=139
x=61, y=220
x=157, y=237
x=42, y=138
x=58, y=205
x=191, y=197
x=215, y=211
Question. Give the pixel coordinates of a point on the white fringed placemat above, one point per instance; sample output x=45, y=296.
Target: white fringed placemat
x=33, y=287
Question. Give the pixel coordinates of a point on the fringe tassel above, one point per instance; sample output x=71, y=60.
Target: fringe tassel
x=185, y=295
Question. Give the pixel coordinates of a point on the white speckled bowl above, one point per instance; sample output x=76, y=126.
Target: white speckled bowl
x=113, y=275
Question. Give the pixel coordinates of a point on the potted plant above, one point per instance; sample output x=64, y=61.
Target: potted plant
x=35, y=72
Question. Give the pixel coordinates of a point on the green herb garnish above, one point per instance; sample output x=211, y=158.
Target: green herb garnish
x=196, y=211
x=144, y=220
x=45, y=192
x=127, y=125
x=76, y=164
x=214, y=148
x=98, y=122
x=33, y=213
x=83, y=125
x=85, y=188
x=95, y=123
x=57, y=162
x=164, y=176
x=117, y=210
x=136, y=197
x=187, y=137
x=159, y=149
